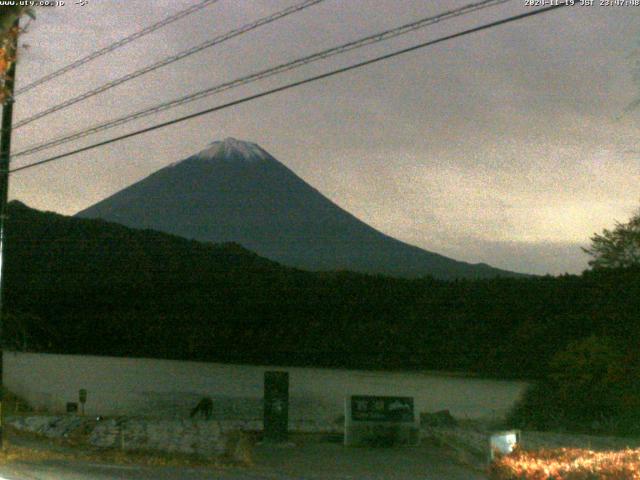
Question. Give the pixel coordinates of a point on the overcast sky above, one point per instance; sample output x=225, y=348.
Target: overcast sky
x=504, y=146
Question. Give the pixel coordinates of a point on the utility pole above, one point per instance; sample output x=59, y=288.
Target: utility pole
x=5, y=158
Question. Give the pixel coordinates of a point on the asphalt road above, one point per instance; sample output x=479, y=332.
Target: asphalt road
x=68, y=471
x=307, y=459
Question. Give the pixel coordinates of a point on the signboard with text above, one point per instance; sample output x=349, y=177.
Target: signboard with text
x=380, y=421
x=381, y=409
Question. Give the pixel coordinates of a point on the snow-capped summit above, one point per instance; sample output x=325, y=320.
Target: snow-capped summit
x=234, y=149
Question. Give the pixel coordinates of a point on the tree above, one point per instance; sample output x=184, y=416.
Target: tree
x=584, y=378
x=8, y=33
x=617, y=248
x=25, y=332
x=585, y=389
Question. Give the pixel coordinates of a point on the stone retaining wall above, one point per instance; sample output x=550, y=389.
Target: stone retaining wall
x=202, y=437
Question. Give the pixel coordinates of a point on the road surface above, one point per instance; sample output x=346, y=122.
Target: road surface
x=304, y=460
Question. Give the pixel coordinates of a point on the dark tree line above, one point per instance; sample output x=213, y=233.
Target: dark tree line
x=91, y=287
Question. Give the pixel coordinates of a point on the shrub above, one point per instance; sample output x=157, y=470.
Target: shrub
x=567, y=464
x=590, y=386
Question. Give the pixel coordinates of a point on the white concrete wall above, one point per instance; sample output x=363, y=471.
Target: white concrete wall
x=167, y=388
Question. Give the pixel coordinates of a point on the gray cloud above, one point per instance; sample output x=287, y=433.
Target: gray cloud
x=502, y=147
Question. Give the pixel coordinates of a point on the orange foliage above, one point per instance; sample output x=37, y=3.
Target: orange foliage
x=567, y=464
x=4, y=65
x=5, y=59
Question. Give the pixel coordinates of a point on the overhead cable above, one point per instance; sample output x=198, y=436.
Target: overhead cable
x=362, y=42
x=168, y=60
x=293, y=85
x=120, y=43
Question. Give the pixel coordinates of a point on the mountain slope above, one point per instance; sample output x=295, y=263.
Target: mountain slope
x=235, y=191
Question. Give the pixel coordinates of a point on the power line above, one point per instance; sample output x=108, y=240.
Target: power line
x=294, y=84
x=114, y=46
x=168, y=60
x=368, y=40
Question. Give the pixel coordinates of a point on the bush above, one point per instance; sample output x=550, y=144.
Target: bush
x=591, y=386
x=566, y=464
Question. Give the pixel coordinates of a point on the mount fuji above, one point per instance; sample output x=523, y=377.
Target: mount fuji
x=234, y=191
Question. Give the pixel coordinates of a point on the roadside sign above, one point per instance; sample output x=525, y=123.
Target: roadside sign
x=382, y=409
x=276, y=406
x=380, y=421
x=503, y=443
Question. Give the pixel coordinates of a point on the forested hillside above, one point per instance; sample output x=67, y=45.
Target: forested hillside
x=88, y=286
